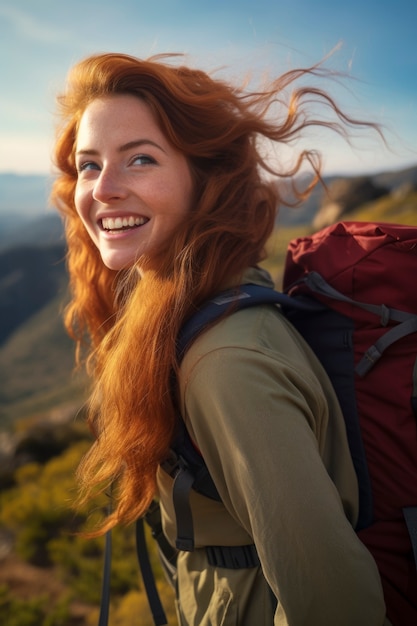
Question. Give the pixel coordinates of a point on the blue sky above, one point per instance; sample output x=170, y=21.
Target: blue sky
x=39, y=41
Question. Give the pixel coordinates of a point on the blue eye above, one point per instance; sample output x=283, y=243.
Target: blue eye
x=88, y=165
x=143, y=159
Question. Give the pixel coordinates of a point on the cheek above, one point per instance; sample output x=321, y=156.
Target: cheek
x=184, y=194
x=80, y=203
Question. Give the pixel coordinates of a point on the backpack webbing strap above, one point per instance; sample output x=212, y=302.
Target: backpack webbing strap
x=375, y=352
x=105, y=589
x=178, y=468
x=317, y=284
x=414, y=395
x=183, y=483
x=407, y=322
x=155, y=605
x=410, y=515
x=153, y=519
x=233, y=557
x=248, y=295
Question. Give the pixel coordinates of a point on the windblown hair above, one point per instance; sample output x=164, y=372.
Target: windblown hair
x=131, y=323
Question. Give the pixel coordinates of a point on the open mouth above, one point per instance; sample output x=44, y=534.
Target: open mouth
x=122, y=223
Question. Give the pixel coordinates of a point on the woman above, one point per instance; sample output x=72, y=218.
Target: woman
x=160, y=179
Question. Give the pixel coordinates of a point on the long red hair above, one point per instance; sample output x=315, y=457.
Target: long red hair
x=131, y=324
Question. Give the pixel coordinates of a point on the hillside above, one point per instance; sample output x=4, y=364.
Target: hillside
x=36, y=364
x=388, y=182
x=36, y=355
x=30, y=277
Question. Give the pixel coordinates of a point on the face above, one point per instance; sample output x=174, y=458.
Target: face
x=134, y=188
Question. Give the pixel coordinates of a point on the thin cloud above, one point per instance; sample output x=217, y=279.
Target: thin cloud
x=32, y=28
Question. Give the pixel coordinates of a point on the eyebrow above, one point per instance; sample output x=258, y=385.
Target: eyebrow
x=136, y=143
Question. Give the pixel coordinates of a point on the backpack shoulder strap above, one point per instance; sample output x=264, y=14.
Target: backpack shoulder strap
x=149, y=583
x=245, y=296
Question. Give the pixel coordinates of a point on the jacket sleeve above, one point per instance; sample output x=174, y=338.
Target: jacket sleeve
x=261, y=424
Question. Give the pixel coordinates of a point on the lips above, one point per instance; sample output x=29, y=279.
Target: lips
x=122, y=223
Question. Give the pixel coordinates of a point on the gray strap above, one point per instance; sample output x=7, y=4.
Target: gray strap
x=105, y=591
x=375, y=352
x=154, y=520
x=317, y=284
x=407, y=321
x=103, y=619
x=410, y=514
x=414, y=394
x=149, y=583
x=184, y=519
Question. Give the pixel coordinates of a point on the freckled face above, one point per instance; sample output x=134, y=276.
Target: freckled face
x=134, y=188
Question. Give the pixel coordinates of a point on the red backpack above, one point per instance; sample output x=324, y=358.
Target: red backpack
x=373, y=264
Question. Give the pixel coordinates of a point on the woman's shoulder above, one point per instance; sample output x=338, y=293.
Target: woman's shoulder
x=261, y=332
x=251, y=338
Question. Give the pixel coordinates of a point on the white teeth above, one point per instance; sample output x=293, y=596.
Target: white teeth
x=118, y=223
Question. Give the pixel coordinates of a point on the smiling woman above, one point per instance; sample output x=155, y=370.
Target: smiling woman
x=162, y=188
x=133, y=188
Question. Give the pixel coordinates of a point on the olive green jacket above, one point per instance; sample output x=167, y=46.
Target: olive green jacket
x=263, y=414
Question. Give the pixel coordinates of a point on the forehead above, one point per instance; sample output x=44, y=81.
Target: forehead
x=117, y=114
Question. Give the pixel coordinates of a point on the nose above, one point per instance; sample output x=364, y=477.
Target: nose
x=109, y=186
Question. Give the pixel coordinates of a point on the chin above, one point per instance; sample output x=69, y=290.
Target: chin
x=117, y=264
